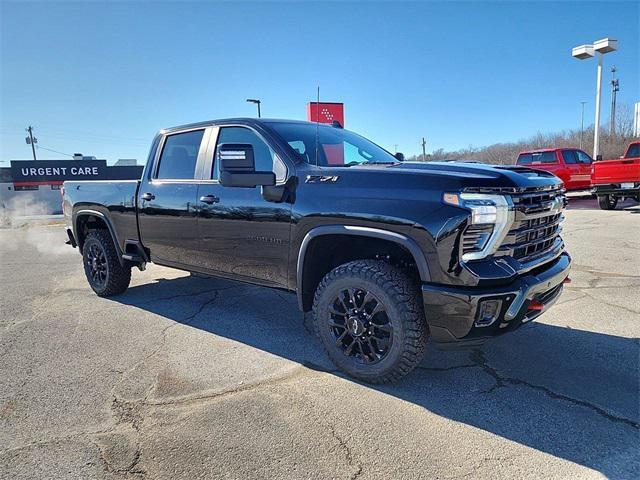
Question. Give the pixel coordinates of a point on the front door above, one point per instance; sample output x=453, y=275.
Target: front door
x=577, y=177
x=167, y=200
x=585, y=168
x=242, y=235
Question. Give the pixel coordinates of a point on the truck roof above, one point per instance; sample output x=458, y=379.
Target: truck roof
x=240, y=120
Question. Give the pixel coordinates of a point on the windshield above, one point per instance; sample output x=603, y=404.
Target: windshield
x=336, y=147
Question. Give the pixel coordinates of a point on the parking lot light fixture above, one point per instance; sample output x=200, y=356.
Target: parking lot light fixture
x=257, y=102
x=585, y=52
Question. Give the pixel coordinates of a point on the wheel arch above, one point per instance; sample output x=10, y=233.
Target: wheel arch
x=86, y=220
x=305, y=291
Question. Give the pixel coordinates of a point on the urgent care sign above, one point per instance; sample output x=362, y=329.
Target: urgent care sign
x=47, y=171
x=325, y=112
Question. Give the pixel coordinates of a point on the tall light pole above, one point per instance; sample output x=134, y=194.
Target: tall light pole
x=257, y=102
x=424, y=150
x=615, y=88
x=584, y=52
x=582, y=125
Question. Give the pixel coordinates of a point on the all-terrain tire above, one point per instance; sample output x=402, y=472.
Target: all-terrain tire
x=607, y=202
x=403, y=307
x=113, y=278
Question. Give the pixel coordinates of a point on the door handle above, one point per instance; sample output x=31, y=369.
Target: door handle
x=148, y=196
x=209, y=199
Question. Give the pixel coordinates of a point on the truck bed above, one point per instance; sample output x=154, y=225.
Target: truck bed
x=115, y=199
x=616, y=171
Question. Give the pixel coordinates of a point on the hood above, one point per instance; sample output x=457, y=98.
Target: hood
x=469, y=175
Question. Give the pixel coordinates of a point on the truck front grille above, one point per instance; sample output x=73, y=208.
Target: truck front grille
x=537, y=225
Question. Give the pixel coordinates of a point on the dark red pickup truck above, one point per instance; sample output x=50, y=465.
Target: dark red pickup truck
x=612, y=180
x=571, y=165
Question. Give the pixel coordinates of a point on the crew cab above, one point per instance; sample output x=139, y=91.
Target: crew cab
x=385, y=253
x=571, y=165
x=617, y=179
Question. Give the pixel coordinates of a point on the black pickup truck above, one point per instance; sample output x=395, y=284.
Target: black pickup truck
x=385, y=253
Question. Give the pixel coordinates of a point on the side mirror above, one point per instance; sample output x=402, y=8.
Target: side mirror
x=399, y=156
x=238, y=169
x=598, y=158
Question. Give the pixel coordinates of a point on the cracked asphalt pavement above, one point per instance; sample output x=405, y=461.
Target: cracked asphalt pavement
x=187, y=378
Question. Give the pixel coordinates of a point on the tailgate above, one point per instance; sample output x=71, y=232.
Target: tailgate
x=616, y=171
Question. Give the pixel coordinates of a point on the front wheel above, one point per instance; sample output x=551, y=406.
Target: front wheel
x=105, y=274
x=607, y=202
x=371, y=321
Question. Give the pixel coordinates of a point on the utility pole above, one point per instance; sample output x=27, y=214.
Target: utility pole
x=395, y=148
x=31, y=140
x=582, y=126
x=424, y=150
x=615, y=87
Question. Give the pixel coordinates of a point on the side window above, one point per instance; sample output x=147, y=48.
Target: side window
x=179, y=156
x=525, y=159
x=583, y=157
x=266, y=159
x=570, y=156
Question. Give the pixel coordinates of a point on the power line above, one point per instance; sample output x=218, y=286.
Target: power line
x=54, y=151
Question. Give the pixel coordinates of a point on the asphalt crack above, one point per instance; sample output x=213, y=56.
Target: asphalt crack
x=502, y=381
x=445, y=369
x=342, y=444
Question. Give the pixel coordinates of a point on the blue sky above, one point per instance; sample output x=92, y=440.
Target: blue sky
x=102, y=78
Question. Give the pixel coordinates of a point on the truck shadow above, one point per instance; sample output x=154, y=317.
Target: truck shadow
x=570, y=393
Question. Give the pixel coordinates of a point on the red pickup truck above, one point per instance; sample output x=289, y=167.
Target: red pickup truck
x=612, y=180
x=571, y=165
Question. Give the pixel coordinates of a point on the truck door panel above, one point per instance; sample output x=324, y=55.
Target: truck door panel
x=585, y=168
x=575, y=170
x=167, y=200
x=241, y=233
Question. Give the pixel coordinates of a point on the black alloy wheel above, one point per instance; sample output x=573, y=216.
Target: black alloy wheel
x=361, y=325
x=370, y=319
x=96, y=265
x=106, y=273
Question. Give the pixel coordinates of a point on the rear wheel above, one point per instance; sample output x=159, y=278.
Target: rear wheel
x=607, y=202
x=105, y=274
x=370, y=319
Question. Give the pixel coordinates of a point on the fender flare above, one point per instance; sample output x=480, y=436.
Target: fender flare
x=107, y=221
x=402, y=240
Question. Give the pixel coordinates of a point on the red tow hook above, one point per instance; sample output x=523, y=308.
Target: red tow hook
x=536, y=305
x=566, y=280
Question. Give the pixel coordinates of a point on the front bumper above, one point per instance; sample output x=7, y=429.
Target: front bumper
x=452, y=312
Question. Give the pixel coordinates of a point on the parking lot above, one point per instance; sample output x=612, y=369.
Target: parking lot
x=184, y=377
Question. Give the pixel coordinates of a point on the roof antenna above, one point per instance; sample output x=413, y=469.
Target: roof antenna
x=317, y=125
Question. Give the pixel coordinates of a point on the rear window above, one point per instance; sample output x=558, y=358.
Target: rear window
x=536, y=157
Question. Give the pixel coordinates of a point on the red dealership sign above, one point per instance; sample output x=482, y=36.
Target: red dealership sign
x=325, y=112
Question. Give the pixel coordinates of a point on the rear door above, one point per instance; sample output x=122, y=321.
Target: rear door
x=547, y=161
x=167, y=198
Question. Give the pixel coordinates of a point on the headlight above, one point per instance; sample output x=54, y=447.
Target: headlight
x=491, y=218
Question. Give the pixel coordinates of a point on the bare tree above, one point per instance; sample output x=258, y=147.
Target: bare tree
x=611, y=146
